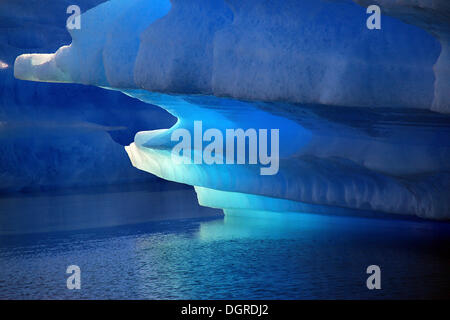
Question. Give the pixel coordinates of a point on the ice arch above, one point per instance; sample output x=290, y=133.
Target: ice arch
x=354, y=103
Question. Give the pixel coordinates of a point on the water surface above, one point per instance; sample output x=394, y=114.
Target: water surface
x=244, y=255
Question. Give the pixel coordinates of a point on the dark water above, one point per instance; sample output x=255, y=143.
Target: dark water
x=239, y=256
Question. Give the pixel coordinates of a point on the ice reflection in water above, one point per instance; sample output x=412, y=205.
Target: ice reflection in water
x=256, y=255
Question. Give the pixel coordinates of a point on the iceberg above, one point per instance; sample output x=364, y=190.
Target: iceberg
x=362, y=114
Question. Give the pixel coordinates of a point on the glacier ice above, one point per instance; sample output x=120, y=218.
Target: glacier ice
x=433, y=16
x=55, y=136
x=354, y=106
x=296, y=51
x=330, y=160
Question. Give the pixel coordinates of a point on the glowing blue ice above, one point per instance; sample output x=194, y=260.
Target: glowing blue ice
x=352, y=104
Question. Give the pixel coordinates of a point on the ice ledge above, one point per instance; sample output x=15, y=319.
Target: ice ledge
x=295, y=56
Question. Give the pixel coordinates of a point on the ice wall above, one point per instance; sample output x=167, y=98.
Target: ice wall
x=330, y=161
x=297, y=51
x=352, y=104
x=433, y=16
